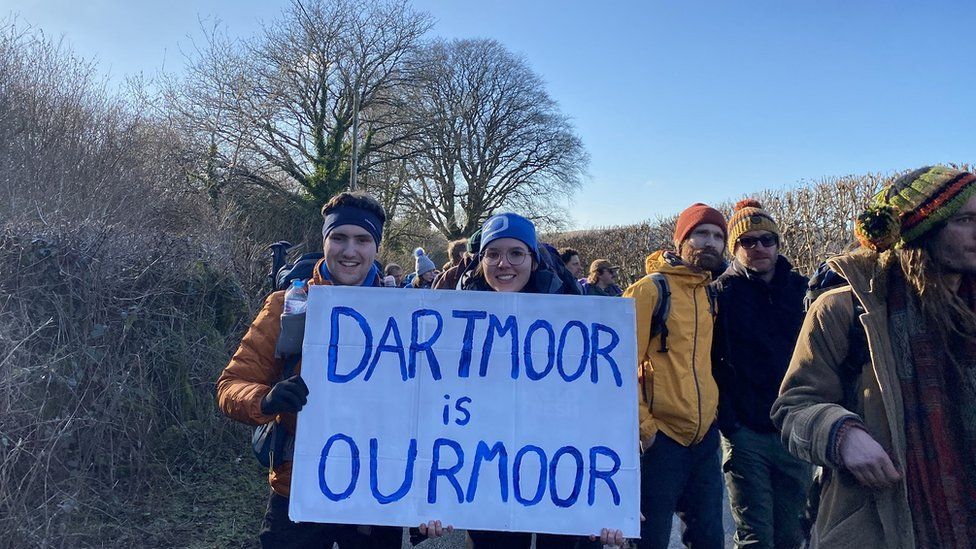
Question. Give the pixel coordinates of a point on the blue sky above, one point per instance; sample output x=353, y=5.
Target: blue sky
x=676, y=101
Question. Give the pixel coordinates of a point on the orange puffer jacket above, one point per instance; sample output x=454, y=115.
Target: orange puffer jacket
x=252, y=371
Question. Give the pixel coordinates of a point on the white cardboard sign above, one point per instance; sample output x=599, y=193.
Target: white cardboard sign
x=485, y=410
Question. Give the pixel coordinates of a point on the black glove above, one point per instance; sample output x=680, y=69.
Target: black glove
x=288, y=396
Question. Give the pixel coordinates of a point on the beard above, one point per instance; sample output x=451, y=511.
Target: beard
x=705, y=259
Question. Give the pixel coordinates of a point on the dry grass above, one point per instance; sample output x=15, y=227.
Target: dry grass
x=110, y=344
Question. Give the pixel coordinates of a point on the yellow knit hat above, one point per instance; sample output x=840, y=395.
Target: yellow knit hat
x=749, y=215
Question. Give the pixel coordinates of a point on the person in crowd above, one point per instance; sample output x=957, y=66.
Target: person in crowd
x=551, y=259
x=602, y=279
x=396, y=271
x=426, y=271
x=251, y=389
x=571, y=259
x=449, y=278
x=760, y=310
x=509, y=261
x=678, y=397
x=881, y=389
x=455, y=252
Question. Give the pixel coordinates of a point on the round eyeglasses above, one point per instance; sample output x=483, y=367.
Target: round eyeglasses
x=514, y=257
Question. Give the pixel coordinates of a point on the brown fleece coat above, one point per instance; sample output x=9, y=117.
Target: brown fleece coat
x=851, y=515
x=448, y=280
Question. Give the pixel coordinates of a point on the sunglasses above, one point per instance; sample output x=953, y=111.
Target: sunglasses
x=750, y=242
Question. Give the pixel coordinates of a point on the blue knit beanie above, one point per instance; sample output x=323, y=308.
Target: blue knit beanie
x=509, y=225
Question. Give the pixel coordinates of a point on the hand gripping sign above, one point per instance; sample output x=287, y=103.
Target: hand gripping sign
x=487, y=411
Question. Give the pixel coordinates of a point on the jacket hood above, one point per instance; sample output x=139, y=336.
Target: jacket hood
x=669, y=263
x=317, y=277
x=862, y=270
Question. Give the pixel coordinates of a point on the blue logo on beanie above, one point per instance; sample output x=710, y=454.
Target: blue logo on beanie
x=509, y=225
x=497, y=223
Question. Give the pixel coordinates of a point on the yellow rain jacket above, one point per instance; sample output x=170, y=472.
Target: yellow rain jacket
x=677, y=393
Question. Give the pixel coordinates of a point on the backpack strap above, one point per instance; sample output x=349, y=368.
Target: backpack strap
x=712, y=294
x=290, y=339
x=857, y=354
x=662, y=308
x=288, y=351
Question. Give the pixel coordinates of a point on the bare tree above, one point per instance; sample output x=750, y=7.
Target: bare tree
x=276, y=111
x=493, y=139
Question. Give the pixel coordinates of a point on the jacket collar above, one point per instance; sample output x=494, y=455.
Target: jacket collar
x=542, y=281
x=671, y=264
x=783, y=269
x=319, y=279
x=868, y=280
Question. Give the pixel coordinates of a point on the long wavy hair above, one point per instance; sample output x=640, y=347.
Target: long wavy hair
x=942, y=306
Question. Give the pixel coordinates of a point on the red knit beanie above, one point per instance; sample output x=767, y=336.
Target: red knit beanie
x=695, y=215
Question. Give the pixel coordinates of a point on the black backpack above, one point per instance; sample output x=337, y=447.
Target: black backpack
x=550, y=258
x=272, y=444
x=282, y=272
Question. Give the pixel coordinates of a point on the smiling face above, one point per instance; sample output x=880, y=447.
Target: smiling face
x=703, y=247
x=349, y=254
x=760, y=259
x=498, y=260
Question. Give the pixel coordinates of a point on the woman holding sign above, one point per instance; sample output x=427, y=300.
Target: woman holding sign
x=509, y=262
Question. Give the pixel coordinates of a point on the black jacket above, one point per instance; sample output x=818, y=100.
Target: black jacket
x=755, y=332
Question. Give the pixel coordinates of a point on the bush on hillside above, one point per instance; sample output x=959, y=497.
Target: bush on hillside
x=110, y=344
x=119, y=305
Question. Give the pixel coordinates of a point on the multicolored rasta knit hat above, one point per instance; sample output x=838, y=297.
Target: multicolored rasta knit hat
x=912, y=205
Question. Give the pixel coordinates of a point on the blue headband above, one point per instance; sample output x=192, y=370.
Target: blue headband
x=351, y=215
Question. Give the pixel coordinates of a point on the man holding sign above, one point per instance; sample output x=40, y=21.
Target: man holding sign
x=485, y=408
x=251, y=389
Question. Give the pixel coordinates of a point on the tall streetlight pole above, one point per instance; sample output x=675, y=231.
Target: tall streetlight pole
x=355, y=140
